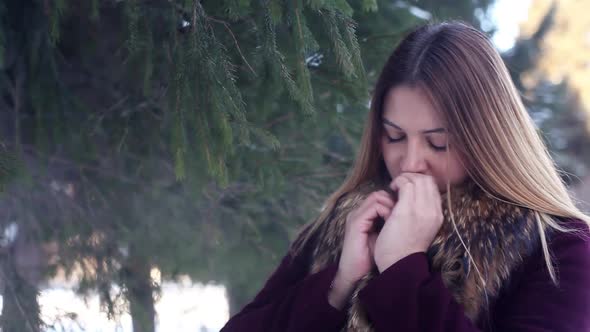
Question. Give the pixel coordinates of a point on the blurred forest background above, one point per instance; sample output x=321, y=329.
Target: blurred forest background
x=145, y=143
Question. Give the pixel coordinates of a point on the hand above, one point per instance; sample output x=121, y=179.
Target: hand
x=356, y=259
x=413, y=223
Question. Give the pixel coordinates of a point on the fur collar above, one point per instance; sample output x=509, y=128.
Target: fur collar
x=499, y=236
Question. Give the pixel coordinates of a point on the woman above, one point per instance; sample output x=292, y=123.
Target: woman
x=454, y=217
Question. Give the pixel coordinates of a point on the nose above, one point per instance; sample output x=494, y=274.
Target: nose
x=414, y=160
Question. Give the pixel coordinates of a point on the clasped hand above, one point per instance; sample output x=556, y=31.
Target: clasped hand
x=410, y=226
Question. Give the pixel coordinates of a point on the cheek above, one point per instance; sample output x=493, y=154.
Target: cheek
x=391, y=156
x=455, y=173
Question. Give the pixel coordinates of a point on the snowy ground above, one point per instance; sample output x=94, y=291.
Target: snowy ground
x=182, y=307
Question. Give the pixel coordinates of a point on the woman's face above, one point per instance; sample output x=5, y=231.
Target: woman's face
x=415, y=138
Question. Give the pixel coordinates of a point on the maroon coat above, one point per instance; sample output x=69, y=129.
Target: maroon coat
x=408, y=296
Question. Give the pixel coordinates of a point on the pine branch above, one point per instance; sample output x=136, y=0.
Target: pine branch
x=267, y=138
x=280, y=119
x=179, y=138
x=341, y=6
x=275, y=10
x=132, y=10
x=303, y=79
x=10, y=166
x=349, y=27
x=235, y=41
x=3, y=42
x=95, y=10
x=276, y=59
x=17, y=94
x=343, y=56
x=56, y=12
x=370, y=5
x=72, y=163
x=237, y=9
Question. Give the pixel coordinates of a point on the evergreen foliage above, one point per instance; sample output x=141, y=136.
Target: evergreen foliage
x=190, y=136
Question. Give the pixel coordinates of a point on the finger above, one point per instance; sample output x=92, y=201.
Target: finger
x=377, y=210
x=376, y=197
x=382, y=211
x=425, y=187
x=428, y=202
x=427, y=193
x=372, y=210
x=395, y=184
x=414, y=177
x=406, y=191
x=372, y=220
x=365, y=205
x=400, y=181
x=385, y=198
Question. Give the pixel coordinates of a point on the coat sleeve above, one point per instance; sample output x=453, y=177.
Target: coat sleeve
x=407, y=296
x=291, y=301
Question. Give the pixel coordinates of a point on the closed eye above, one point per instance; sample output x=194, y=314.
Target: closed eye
x=394, y=139
x=436, y=147
x=402, y=137
x=438, y=142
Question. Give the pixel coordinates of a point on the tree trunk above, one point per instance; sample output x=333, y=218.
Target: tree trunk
x=20, y=311
x=140, y=291
x=236, y=297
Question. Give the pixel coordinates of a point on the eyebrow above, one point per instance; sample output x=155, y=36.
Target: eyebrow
x=429, y=131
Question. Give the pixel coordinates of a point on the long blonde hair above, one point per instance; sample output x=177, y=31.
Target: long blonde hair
x=466, y=79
